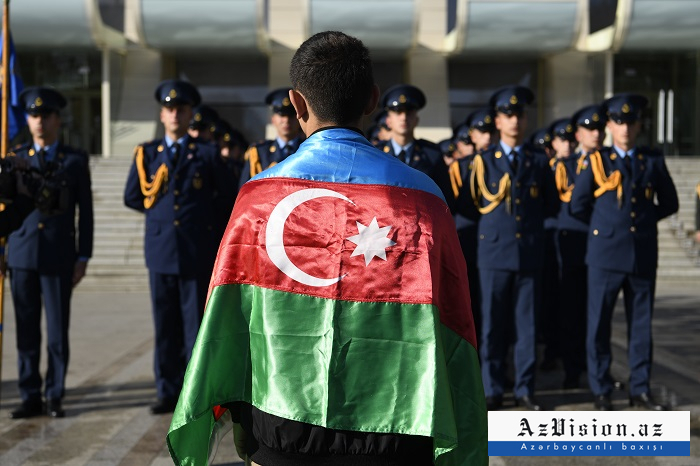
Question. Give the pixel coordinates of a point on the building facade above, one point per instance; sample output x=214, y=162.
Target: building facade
x=107, y=56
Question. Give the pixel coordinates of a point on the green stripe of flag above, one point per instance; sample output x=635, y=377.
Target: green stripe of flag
x=373, y=367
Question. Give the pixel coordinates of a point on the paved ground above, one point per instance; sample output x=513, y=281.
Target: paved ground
x=110, y=386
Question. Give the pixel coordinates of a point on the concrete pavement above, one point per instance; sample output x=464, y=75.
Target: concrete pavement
x=110, y=386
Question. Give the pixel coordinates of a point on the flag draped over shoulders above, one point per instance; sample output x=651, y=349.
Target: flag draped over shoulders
x=339, y=298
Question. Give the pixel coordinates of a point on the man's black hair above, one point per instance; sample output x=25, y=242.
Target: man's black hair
x=333, y=71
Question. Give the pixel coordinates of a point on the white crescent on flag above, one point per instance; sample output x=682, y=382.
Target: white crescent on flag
x=274, y=235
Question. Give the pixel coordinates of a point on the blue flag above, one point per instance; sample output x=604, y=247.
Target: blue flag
x=16, y=118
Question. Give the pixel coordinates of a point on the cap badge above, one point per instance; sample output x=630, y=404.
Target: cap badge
x=547, y=137
x=402, y=99
x=38, y=102
x=227, y=137
x=569, y=128
x=513, y=100
x=487, y=119
x=197, y=117
x=286, y=102
x=172, y=94
x=595, y=117
x=625, y=108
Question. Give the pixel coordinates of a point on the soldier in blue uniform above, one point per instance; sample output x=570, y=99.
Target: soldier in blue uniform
x=560, y=135
x=541, y=139
x=231, y=144
x=265, y=154
x=587, y=125
x=177, y=183
x=45, y=258
x=380, y=129
x=472, y=137
x=402, y=103
x=203, y=117
x=513, y=187
x=624, y=190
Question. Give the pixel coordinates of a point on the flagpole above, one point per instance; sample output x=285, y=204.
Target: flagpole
x=4, y=142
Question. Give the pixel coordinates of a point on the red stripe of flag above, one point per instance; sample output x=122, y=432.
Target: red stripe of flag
x=315, y=242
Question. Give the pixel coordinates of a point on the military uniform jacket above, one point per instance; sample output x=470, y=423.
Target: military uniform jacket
x=566, y=221
x=181, y=235
x=624, y=209
x=263, y=155
x=572, y=232
x=511, y=230
x=47, y=243
x=424, y=158
x=466, y=212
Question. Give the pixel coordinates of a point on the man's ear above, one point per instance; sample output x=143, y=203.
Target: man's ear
x=299, y=103
x=373, y=100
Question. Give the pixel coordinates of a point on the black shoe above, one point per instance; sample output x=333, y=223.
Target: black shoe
x=163, y=406
x=528, y=402
x=618, y=386
x=28, y=409
x=571, y=382
x=646, y=401
x=54, y=408
x=494, y=403
x=603, y=403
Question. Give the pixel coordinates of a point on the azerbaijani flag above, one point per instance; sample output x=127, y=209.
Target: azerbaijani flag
x=339, y=298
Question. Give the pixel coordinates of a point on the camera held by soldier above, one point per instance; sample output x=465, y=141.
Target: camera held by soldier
x=46, y=189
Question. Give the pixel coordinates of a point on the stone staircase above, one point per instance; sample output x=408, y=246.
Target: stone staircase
x=117, y=263
x=679, y=256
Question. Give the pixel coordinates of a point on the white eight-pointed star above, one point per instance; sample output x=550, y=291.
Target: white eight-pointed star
x=371, y=241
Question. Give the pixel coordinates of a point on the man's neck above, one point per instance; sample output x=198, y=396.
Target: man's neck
x=44, y=141
x=311, y=125
x=403, y=139
x=512, y=141
x=175, y=136
x=625, y=147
